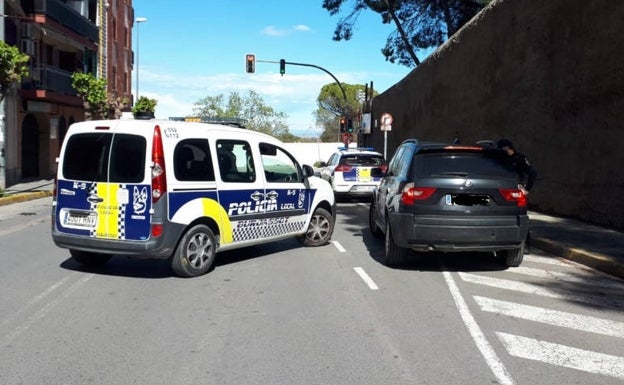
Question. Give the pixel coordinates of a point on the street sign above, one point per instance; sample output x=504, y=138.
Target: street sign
x=386, y=119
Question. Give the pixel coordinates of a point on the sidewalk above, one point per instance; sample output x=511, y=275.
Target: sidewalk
x=594, y=246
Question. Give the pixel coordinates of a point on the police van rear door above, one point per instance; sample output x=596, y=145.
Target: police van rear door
x=102, y=187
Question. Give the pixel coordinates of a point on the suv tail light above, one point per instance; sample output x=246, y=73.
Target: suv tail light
x=159, y=177
x=514, y=195
x=411, y=193
x=343, y=168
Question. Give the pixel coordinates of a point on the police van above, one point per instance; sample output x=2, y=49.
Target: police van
x=181, y=191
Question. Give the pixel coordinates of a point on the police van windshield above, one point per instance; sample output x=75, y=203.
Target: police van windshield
x=88, y=157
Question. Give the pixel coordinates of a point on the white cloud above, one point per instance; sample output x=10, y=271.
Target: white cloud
x=272, y=30
x=292, y=94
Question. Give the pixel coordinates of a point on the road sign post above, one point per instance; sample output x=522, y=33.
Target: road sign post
x=386, y=125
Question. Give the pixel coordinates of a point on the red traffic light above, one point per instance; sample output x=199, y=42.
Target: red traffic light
x=250, y=63
x=343, y=124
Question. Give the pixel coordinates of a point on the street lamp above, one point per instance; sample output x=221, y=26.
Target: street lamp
x=138, y=20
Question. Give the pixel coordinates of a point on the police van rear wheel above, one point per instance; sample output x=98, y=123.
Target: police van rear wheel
x=195, y=253
x=87, y=258
x=320, y=229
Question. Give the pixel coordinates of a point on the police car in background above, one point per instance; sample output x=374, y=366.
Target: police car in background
x=181, y=191
x=354, y=171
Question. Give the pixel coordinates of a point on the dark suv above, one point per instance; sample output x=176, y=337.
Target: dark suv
x=446, y=197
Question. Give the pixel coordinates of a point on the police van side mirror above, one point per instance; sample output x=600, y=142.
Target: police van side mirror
x=307, y=171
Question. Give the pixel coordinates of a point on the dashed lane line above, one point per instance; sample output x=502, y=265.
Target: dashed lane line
x=366, y=278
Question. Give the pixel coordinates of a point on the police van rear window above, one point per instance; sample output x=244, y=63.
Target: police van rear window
x=104, y=157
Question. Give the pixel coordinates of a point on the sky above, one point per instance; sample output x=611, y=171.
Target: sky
x=190, y=49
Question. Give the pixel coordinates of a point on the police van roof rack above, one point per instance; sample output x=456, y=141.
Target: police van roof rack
x=236, y=122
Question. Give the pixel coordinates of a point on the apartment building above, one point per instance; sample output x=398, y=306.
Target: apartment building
x=61, y=37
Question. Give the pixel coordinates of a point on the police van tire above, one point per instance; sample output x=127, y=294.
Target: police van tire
x=87, y=258
x=195, y=253
x=320, y=230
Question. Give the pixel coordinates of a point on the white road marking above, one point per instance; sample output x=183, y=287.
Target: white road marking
x=597, y=281
x=33, y=301
x=546, y=260
x=539, y=290
x=339, y=246
x=553, y=317
x=366, y=278
x=46, y=309
x=495, y=364
x=562, y=355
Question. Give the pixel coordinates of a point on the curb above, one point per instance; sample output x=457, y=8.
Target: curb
x=597, y=261
x=23, y=197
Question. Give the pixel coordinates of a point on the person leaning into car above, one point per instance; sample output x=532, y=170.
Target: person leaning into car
x=526, y=172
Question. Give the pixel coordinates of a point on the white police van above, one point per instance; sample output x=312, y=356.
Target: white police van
x=181, y=191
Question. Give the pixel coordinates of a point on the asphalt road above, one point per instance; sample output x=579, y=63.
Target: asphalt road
x=284, y=314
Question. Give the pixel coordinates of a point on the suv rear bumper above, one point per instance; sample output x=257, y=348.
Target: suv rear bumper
x=445, y=233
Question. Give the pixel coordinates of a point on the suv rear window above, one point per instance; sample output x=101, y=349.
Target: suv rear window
x=88, y=157
x=462, y=164
x=362, y=160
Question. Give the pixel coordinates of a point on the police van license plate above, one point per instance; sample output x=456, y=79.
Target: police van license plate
x=80, y=219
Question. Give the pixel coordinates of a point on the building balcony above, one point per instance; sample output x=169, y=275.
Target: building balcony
x=64, y=15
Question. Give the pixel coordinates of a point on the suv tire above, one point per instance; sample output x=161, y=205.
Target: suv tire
x=195, y=253
x=393, y=255
x=513, y=257
x=372, y=224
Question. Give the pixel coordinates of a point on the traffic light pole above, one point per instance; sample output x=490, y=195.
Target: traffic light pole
x=344, y=94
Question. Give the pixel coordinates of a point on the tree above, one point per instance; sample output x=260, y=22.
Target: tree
x=96, y=102
x=332, y=105
x=13, y=67
x=421, y=24
x=252, y=108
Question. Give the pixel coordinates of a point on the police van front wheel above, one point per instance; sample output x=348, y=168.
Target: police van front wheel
x=320, y=229
x=195, y=252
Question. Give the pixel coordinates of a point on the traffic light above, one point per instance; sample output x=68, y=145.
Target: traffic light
x=343, y=124
x=250, y=63
x=350, y=126
x=282, y=66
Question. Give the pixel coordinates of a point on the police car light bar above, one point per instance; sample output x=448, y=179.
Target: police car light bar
x=237, y=122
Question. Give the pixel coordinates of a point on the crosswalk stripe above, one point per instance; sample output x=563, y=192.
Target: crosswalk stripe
x=539, y=290
x=546, y=260
x=598, y=281
x=562, y=355
x=552, y=317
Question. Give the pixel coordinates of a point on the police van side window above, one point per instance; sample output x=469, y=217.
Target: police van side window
x=279, y=166
x=192, y=161
x=236, y=162
x=86, y=157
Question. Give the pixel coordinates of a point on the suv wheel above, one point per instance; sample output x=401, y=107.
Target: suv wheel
x=320, y=229
x=195, y=252
x=89, y=259
x=512, y=258
x=394, y=255
x=372, y=224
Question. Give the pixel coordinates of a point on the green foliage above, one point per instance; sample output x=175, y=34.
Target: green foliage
x=421, y=24
x=13, y=67
x=93, y=94
x=252, y=108
x=144, y=104
x=332, y=105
